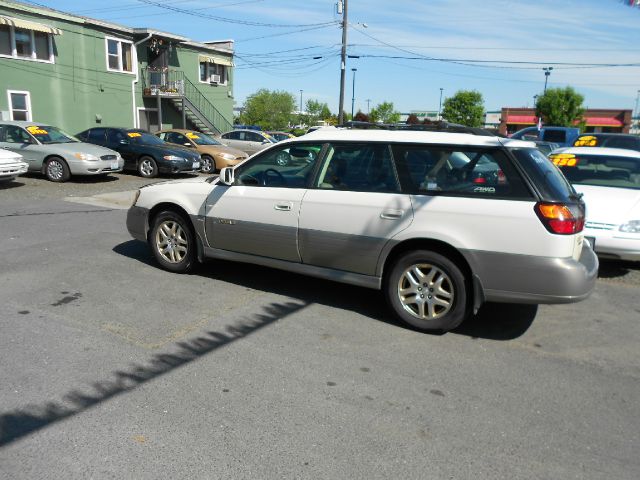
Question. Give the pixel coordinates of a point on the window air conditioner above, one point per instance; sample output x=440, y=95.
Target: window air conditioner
x=215, y=79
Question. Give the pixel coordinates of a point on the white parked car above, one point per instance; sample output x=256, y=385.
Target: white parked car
x=11, y=165
x=609, y=179
x=439, y=221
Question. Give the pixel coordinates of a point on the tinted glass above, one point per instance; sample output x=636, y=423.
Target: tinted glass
x=48, y=135
x=547, y=178
x=15, y=134
x=604, y=171
x=116, y=136
x=202, y=139
x=630, y=143
x=559, y=136
x=433, y=169
x=96, y=135
x=363, y=168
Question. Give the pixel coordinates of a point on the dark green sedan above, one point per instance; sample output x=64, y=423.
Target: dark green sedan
x=144, y=152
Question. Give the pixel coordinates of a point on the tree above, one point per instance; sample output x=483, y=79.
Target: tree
x=561, y=107
x=413, y=119
x=385, y=113
x=270, y=110
x=466, y=107
x=317, y=111
x=361, y=117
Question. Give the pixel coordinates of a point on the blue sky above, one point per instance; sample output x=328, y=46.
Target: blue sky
x=409, y=49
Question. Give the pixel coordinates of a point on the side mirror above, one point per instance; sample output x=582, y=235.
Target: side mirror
x=188, y=144
x=226, y=176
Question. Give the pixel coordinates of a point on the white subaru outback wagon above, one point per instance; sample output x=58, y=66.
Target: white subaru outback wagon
x=440, y=221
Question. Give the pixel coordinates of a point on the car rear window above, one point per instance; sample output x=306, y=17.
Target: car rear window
x=603, y=171
x=558, y=136
x=548, y=180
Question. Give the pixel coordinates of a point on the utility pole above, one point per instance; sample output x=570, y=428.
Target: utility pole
x=300, y=118
x=343, y=61
x=547, y=72
x=368, y=100
x=440, y=105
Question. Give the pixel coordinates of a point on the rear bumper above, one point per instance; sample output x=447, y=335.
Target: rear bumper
x=528, y=279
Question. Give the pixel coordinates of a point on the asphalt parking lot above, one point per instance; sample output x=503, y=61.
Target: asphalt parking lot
x=113, y=368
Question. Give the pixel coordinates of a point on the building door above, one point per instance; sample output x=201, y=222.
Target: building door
x=148, y=119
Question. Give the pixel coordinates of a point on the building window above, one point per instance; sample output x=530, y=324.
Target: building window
x=119, y=55
x=19, y=105
x=25, y=44
x=213, y=73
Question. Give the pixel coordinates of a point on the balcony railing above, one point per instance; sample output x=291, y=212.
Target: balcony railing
x=166, y=83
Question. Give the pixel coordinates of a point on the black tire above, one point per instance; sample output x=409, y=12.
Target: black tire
x=438, y=302
x=172, y=242
x=147, y=167
x=208, y=164
x=57, y=170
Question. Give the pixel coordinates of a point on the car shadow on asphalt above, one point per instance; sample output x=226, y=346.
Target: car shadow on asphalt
x=8, y=184
x=616, y=268
x=24, y=421
x=492, y=321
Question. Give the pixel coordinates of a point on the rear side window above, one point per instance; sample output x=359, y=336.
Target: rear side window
x=359, y=168
x=455, y=170
x=546, y=177
x=622, y=142
x=96, y=135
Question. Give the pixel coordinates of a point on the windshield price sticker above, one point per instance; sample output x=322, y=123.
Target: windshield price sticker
x=192, y=136
x=34, y=130
x=134, y=134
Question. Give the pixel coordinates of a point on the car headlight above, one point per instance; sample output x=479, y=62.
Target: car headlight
x=228, y=156
x=632, y=226
x=173, y=158
x=86, y=156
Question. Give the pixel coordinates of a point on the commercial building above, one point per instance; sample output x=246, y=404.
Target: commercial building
x=76, y=72
x=597, y=120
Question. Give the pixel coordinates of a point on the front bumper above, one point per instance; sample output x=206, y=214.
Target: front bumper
x=616, y=244
x=534, y=280
x=92, y=167
x=13, y=169
x=180, y=166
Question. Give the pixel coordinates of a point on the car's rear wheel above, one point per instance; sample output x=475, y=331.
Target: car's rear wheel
x=427, y=290
x=172, y=242
x=147, y=167
x=57, y=170
x=208, y=164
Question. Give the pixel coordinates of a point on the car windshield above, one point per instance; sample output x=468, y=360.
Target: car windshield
x=202, y=139
x=47, y=135
x=600, y=170
x=144, y=138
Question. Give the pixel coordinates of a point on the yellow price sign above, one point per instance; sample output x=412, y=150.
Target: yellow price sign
x=134, y=134
x=192, y=136
x=589, y=141
x=35, y=130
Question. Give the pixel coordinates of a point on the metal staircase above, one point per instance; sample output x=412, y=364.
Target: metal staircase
x=184, y=95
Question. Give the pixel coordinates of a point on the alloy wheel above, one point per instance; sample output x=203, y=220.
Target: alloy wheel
x=425, y=291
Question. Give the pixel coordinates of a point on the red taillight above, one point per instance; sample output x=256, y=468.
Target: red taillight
x=560, y=218
x=479, y=180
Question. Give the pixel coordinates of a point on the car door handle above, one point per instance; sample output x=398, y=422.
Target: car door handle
x=283, y=207
x=392, y=214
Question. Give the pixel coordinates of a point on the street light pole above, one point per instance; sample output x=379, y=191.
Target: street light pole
x=440, y=104
x=300, y=115
x=353, y=91
x=547, y=72
x=343, y=61
x=368, y=100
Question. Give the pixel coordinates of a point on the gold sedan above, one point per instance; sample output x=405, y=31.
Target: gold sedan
x=214, y=154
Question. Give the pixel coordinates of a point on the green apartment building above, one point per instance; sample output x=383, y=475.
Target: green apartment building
x=76, y=73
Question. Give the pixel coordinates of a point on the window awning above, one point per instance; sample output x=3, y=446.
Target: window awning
x=604, y=122
x=218, y=61
x=29, y=25
x=522, y=119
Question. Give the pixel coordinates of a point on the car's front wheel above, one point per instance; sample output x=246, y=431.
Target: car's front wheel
x=427, y=290
x=147, y=167
x=57, y=170
x=172, y=242
x=208, y=164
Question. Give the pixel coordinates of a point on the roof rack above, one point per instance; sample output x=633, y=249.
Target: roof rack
x=439, y=126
